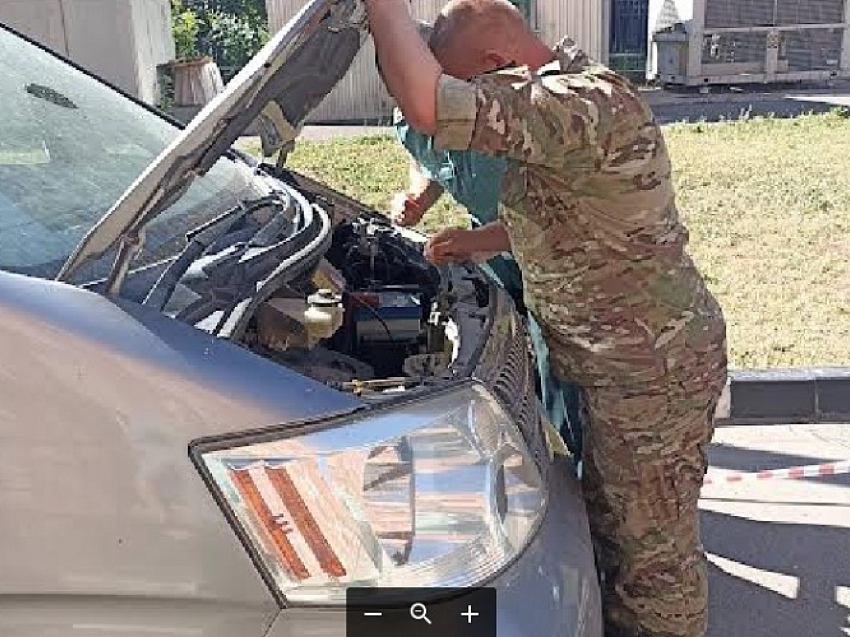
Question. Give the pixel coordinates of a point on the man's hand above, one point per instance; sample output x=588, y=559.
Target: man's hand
x=452, y=245
x=456, y=245
x=406, y=210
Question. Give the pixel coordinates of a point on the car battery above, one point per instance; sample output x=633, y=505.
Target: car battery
x=387, y=315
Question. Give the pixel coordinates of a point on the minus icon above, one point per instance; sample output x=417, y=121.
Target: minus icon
x=373, y=614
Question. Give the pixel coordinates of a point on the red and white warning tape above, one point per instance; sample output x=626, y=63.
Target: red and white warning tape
x=791, y=473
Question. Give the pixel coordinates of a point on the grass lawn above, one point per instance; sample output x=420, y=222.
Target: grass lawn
x=767, y=202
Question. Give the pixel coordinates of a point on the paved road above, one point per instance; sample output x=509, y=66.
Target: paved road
x=674, y=107
x=323, y=133
x=779, y=551
x=671, y=106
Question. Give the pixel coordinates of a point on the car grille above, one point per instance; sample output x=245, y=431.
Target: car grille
x=513, y=382
x=506, y=367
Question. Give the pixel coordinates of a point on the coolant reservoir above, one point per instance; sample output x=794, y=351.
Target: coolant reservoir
x=324, y=314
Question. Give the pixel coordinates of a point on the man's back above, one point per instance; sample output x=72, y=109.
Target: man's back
x=588, y=202
x=590, y=211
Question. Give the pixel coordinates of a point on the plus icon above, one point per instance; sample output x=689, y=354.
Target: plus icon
x=469, y=614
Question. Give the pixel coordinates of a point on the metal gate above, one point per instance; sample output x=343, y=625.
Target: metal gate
x=629, y=27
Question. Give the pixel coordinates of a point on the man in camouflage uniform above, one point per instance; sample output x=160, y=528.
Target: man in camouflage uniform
x=589, y=208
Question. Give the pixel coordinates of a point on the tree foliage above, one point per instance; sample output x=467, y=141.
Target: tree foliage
x=229, y=31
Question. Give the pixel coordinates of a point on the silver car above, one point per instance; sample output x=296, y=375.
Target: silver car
x=230, y=394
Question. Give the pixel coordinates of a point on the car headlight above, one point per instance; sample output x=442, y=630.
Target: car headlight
x=436, y=492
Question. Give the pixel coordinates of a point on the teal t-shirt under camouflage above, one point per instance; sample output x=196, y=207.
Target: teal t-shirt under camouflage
x=473, y=179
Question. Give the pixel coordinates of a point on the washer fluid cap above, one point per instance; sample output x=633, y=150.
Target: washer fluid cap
x=324, y=298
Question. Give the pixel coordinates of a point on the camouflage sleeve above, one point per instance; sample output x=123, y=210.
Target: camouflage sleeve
x=533, y=120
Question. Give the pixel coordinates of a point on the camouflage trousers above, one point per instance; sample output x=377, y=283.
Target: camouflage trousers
x=644, y=463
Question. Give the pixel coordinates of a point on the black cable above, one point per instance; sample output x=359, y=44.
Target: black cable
x=377, y=316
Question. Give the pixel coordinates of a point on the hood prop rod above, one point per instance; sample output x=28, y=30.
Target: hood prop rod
x=130, y=245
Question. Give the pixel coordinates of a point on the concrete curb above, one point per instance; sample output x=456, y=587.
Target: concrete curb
x=786, y=396
x=662, y=97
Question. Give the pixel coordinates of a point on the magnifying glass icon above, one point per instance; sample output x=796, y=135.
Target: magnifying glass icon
x=419, y=611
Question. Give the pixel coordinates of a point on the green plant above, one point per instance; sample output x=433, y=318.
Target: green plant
x=166, y=87
x=186, y=28
x=229, y=31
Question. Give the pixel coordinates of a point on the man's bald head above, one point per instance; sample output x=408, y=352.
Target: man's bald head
x=472, y=37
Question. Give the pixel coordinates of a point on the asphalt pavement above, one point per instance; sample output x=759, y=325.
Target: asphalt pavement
x=724, y=103
x=669, y=106
x=779, y=550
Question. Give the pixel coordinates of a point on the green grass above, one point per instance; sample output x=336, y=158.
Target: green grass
x=768, y=206
x=767, y=203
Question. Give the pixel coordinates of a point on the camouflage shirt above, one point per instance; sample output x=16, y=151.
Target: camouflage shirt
x=589, y=206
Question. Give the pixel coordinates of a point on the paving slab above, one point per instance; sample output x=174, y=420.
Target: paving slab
x=779, y=550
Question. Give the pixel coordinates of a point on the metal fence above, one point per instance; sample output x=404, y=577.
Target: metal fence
x=629, y=27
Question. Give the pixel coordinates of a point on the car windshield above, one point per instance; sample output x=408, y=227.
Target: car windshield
x=69, y=147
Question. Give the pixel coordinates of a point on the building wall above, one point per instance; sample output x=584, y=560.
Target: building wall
x=41, y=20
x=121, y=41
x=154, y=45
x=361, y=95
x=586, y=21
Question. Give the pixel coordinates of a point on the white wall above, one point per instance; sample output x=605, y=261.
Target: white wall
x=122, y=41
x=41, y=20
x=361, y=94
x=586, y=21
x=154, y=44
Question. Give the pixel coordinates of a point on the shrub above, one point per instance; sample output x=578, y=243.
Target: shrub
x=229, y=31
x=231, y=40
x=185, y=29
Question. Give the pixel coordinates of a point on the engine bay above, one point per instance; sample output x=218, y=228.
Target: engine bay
x=373, y=317
x=319, y=283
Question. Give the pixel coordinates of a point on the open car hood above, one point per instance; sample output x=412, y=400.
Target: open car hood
x=278, y=88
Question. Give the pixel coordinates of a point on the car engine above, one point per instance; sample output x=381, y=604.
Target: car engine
x=321, y=284
x=374, y=316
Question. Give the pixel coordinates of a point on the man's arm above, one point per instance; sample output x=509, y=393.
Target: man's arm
x=492, y=237
x=422, y=188
x=527, y=118
x=408, y=208
x=410, y=70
